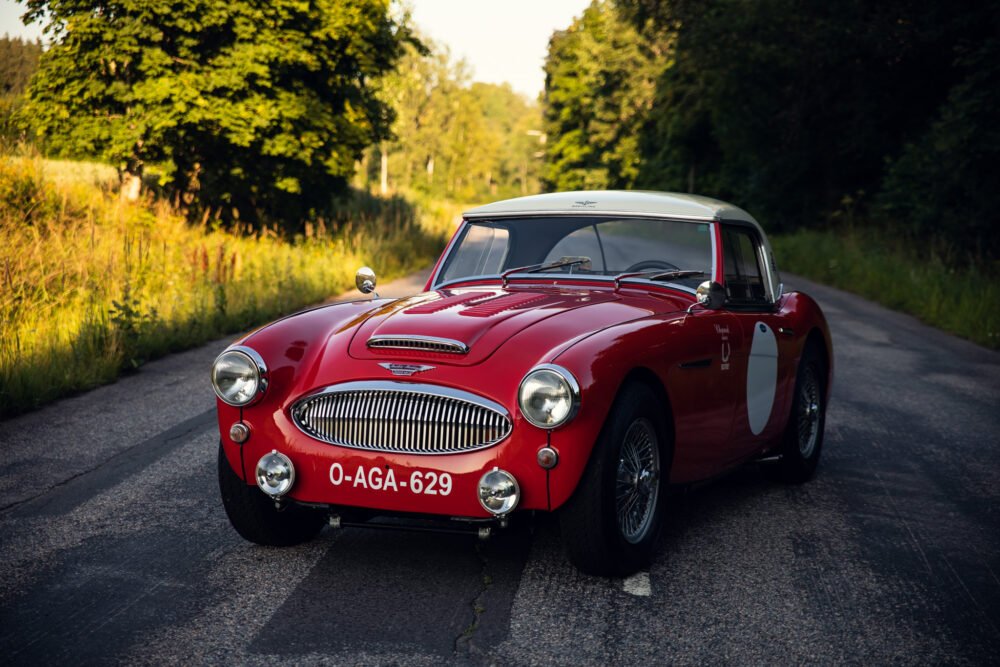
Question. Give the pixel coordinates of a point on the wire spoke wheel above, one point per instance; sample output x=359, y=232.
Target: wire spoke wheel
x=809, y=412
x=637, y=484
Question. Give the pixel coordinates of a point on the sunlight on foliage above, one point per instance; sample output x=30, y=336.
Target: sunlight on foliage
x=92, y=286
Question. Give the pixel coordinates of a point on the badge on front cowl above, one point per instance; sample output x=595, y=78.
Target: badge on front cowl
x=405, y=369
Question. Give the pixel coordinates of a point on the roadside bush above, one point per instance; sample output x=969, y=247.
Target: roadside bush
x=93, y=286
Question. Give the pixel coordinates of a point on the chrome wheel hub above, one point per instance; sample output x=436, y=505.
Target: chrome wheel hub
x=638, y=481
x=809, y=413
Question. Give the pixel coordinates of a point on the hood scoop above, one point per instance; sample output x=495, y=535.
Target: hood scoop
x=464, y=326
x=413, y=342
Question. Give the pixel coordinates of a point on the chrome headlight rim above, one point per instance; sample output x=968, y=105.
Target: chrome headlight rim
x=256, y=361
x=566, y=377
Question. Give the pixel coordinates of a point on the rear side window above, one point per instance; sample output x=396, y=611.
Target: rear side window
x=743, y=272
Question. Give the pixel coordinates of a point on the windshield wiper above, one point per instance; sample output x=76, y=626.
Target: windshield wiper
x=662, y=275
x=534, y=268
x=680, y=273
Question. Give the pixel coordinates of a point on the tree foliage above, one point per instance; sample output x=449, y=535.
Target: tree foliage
x=252, y=110
x=599, y=85
x=453, y=137
x=18, y=61
x=946, y=180
x=793, y=108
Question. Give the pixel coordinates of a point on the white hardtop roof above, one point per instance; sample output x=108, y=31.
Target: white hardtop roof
x=613, y=202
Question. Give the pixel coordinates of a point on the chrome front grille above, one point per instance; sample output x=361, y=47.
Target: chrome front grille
x=426, y=343
x=403, y=417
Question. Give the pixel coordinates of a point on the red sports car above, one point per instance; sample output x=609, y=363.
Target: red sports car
x=577, y=353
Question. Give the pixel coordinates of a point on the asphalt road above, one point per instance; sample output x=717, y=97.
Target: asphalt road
x=115, y=549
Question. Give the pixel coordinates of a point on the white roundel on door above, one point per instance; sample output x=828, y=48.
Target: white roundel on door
x=762, y=377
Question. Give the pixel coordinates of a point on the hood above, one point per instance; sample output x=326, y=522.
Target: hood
x=464, y=326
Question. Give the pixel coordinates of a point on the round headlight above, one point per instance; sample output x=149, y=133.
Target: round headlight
x=498, y=491
x=549, y=396
x=239, y=376
x=275, y=474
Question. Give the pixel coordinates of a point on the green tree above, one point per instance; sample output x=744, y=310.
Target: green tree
x=943, y=184
x=252, y=109
x=600, y=80
x=514, y=124
x=452, y=137
x=18, y=61
x=791, y=108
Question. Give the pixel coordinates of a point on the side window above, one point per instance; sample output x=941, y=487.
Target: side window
x=743, y=274
x=581, y=243
x=483, y=249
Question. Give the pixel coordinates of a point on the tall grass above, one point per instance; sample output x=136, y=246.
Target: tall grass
x=91, y=286
x=964, y=301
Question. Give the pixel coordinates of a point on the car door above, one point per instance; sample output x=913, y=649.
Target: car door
x=752, y=298
x=703, y=392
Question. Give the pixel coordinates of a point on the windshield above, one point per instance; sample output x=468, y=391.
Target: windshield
x=583, y=247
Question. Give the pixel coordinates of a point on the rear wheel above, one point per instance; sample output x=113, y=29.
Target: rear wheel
x=611, y=524
x=803, y=438
x=254, y=516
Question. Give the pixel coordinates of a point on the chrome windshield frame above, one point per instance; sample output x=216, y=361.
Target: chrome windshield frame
x=478, y=217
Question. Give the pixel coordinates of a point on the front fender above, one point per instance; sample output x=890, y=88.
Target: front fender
x=601, y=363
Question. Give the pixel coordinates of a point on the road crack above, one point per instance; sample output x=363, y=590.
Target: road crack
x=463, y=643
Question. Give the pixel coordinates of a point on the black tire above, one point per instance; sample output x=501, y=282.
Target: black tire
x=596, y=540
x=255, y=517
x=803, y=439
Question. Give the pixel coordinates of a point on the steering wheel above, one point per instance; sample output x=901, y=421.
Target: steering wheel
x=652, y=264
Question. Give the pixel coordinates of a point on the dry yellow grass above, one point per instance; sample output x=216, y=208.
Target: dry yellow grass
x=92, y=286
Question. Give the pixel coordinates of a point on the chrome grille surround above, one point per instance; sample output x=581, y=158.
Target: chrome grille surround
x=401, y=417
x=425, y=343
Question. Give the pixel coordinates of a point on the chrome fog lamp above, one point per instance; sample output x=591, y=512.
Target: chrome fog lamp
x=275, y=474
x=239, y=376
x=498, y=492
x=549, y=396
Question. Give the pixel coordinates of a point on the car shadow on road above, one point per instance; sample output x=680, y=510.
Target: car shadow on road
x=747, y=491
x=401, y=592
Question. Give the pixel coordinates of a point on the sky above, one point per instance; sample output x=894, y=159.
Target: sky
x=10, y=21
x=502, y=40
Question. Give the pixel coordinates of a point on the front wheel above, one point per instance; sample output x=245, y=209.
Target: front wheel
x=803, y=438
x=256, y=519
x=611, y=524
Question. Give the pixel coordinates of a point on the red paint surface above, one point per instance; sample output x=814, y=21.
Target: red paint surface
x=599, y=335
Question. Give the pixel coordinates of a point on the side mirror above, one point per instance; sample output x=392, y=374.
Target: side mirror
x=711, y=295
x=365, y=280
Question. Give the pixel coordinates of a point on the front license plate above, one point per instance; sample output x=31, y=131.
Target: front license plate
x=418, y=482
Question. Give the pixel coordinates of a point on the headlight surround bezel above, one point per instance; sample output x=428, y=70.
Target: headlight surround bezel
x=572, y=389
x=255, y=363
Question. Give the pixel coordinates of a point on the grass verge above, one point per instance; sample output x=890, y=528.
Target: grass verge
x=92, y=287
x=962, y=301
